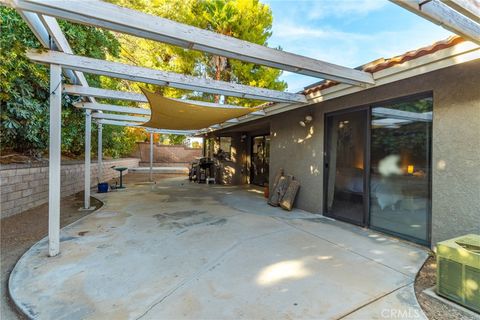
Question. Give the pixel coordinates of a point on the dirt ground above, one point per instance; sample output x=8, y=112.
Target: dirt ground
x=21, y=231
x=434, y=309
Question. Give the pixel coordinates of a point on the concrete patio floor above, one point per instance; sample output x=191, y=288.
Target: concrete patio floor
x=178, y=250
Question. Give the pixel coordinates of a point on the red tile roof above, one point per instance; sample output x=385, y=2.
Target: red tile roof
x=382, y=63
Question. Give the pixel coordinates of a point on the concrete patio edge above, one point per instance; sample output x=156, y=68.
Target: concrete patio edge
x=23, y=310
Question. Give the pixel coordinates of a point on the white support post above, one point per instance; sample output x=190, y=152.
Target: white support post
x=151, y=156
x=54, y=160
x=88, y=139
x=100, y=153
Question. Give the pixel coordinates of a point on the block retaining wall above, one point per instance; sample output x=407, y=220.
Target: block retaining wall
x=167, y=155
x=25, y=186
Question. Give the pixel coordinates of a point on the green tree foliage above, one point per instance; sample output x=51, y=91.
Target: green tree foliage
x=25, y=87
x=24, y=94
x=248, y=20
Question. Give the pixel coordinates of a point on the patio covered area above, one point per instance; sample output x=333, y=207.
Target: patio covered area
x=181, y=250
x=175, y=249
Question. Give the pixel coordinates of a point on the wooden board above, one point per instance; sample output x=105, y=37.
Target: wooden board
x=279, y=190
x=271, y=197
x=274, y=185
x=289, y=197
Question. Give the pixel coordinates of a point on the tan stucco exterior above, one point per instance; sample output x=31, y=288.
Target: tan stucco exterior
x=455, y=144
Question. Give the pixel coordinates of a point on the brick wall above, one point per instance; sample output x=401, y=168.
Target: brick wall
x=24, y=186
x=166, y=155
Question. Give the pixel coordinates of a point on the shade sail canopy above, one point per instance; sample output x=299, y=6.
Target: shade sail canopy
x=178, y=115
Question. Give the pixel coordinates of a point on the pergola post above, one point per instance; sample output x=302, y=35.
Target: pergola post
x=54, y=162
x=100, y=153
x=151, y=156
x=88, y=139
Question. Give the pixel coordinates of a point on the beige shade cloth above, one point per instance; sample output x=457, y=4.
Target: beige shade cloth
x=177, y=115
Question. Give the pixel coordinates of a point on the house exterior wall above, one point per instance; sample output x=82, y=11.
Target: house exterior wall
x=455, y=145
x=236, y=170
x=456, y=153
x=233, y=171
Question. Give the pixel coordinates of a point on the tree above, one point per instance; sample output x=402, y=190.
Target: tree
x=25, y=86
x=248, y=20
x=24, y=94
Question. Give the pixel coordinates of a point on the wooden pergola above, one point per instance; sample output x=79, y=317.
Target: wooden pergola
x=41, y=16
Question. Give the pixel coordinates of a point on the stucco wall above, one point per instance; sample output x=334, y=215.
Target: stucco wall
x=455, y=145
x=456, y=153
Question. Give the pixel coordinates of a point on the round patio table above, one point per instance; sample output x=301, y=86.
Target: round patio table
x=120, y=169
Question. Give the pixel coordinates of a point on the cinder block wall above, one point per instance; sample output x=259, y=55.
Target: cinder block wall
x=24, y=186
x=167, y=155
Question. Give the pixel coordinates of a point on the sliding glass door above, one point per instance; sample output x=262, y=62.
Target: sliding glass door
x=378, y=169
x=260, y=160
x=400, y=168
x=345, y=166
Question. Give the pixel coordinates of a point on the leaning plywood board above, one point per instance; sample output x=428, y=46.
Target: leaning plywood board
x=289, y=196
x=274, y=186
x=279, y=190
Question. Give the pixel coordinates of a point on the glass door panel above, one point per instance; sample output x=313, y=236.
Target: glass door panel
x=400, y=168
x=260, y=160
x=345, y=166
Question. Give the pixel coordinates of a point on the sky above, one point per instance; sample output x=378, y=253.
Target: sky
x=346, y=32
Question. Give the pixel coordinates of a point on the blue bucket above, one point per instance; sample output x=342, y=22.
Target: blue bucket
x=103, y=187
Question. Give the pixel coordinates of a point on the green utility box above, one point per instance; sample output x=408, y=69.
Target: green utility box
x=458, y=270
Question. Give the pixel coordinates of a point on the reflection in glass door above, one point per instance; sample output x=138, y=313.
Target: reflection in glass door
x=260, y=160
x=400, y=168
x=345, y=166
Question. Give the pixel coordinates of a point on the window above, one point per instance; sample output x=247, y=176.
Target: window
x=400, y=168
x=395, y=165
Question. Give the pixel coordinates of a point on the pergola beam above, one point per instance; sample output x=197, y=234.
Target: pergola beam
x=46, y=29
x=162, y=78
x=120, y=117
x=104, y=93
x=53, y=29
x=41, y=33
x=128, y=110
x=121, y=123
x=136, y=125
x=138, y=97
x=124, y=20
x=112, y=108
x=445, y=16
x=469, y=8
x=133, y=119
